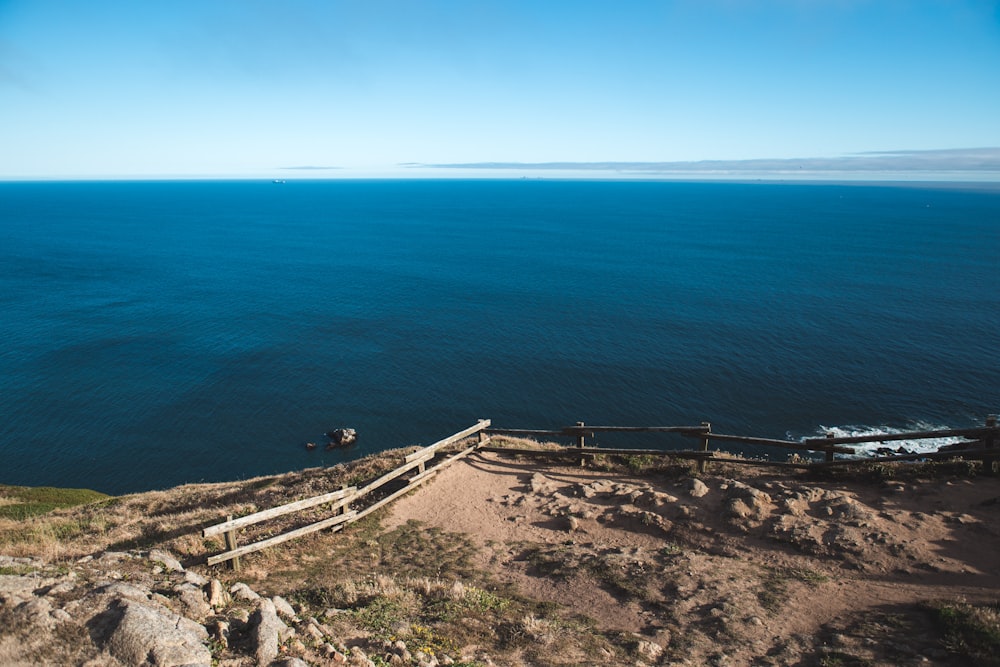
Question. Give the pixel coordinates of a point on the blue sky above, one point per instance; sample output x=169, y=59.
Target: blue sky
x=245, y=88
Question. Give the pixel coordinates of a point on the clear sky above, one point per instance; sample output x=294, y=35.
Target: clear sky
x=251, y=88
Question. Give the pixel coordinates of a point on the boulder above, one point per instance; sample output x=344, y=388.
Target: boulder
x=266, y=629
x=153, y=636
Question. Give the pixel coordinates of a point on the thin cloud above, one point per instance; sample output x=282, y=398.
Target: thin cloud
x=310, y=167
x=961, y=159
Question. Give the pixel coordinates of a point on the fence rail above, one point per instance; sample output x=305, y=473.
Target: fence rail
x=340, y=501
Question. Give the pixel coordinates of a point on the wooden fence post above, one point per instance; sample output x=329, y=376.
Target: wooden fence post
x=991, y=465
x=581, y=441
x=231, y=545
x=829, y=452
x=703, y=462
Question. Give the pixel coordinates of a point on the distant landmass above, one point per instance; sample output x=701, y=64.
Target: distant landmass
x=954, y=159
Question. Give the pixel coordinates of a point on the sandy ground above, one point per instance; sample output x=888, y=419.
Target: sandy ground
x=773, y=568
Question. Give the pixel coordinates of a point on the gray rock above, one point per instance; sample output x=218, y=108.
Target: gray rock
x=15, y=589
x=37, y=612
x=195, y=578
x=153, y=636
x=265, y=632
x=61, y=615
x=168, y=561
x=193, y=600
x=124, y=591
x=283, y=608
x=60, y=588
x=290, y=662
x=241, y=591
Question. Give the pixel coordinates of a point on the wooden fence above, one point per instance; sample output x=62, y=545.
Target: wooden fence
x=353, y=503
x=345, y=504
x=977, y=443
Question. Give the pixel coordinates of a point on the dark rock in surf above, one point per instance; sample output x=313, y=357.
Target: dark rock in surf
x=341, y=437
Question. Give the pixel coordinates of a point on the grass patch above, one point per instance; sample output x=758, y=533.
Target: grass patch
x=23, y=502
x=970, y=631
x=620, y=576
x=774, y=585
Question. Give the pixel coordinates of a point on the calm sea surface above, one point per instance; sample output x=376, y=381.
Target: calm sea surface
x=155, y=333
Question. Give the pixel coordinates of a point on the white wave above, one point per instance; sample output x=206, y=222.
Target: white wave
x=869, y=449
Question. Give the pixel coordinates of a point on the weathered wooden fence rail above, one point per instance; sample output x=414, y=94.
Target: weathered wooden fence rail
x=341, y=501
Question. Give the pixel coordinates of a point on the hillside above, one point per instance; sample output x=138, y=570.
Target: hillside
x=509, y=561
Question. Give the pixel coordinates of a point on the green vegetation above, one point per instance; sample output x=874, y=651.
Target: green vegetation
x=970, y=631
x=774, y=585
x=22, y=502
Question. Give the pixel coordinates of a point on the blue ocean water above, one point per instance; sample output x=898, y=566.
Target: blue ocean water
x=156, y=333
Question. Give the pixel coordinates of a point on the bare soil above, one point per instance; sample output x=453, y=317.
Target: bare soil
x=772, y=569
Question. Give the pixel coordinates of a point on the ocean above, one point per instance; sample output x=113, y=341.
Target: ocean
x=158, y=333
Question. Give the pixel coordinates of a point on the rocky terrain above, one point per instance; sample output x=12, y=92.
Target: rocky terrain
x=509, y=561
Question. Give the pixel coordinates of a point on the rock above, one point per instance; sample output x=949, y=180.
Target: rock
x=697, y=488
x=572, y=524
x=240, y=615
x=359, y=658
x=290, y=662
x=342, y=437
x=60, y=588
x=313, y=631
x=15, y=589
x=220, y=633
x=649, y=651
x=153, y=636
x=283, y=608
x=193, y=600
x=737, y=509
x=241, y=591
x=61, y=615
x=217, y=597
x=37, y=612
x=266, y=628
x=168, y=561
x=124, y=591
x=195, y=578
